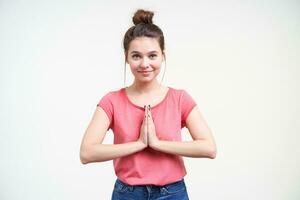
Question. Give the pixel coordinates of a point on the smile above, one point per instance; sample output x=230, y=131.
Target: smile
x=145, y=71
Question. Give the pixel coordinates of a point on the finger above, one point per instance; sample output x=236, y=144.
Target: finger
x=147, y=119
x=145, y=112
x=149, y=113
x=145, y=116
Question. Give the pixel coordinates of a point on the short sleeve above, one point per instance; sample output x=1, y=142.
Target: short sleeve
x=106, y=104
x=187, y=103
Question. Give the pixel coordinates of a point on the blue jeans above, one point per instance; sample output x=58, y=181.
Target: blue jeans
x=172, y=191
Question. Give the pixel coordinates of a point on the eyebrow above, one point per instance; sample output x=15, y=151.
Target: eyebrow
x=148, y=52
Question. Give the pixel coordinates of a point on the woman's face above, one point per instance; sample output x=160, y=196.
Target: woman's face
x=144, y=57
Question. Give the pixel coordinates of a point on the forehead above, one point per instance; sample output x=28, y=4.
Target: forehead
x=144, y=45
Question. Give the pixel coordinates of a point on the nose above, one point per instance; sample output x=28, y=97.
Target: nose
x=144, y=63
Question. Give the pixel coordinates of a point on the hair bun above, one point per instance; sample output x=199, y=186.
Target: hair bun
x=142, y=16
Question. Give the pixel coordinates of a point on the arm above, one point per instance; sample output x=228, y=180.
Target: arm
x=203, y=144
x=92, y=149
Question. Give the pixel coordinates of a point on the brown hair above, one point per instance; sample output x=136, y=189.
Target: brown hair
x=143, y=27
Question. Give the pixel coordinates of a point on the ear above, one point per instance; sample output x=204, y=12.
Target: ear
x=164, y=55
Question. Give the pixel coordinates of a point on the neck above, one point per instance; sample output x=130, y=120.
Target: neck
x=145, y=87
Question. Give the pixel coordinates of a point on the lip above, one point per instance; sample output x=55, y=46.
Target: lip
x=144, y=71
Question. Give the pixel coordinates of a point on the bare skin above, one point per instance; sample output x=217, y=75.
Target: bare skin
x=144, y=54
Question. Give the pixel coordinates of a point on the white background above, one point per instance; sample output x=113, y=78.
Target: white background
x=238, y=59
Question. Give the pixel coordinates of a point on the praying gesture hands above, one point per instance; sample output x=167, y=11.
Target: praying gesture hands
x=147, y=132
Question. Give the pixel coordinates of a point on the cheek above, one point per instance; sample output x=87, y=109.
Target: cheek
x=133, y=65
x=157, y=65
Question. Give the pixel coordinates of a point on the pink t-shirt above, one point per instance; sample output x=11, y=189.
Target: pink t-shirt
x=148, y=166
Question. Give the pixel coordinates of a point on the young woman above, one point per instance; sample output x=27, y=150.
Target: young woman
x=146, y=119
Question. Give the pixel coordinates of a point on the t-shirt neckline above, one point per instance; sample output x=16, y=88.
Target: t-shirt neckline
x=137, y=106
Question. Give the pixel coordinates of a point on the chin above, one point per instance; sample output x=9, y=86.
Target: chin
x=145, y=80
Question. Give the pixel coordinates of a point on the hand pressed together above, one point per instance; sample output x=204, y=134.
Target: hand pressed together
x=147, y=131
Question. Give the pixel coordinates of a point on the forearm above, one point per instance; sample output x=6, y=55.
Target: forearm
x=196, y=148
x=104, y=152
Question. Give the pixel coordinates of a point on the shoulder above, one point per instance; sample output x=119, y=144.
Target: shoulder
x=183, y=97
x=110, y=97
x=179, y=92
x=115, y=93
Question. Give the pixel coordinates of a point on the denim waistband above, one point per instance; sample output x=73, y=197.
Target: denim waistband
x=175, y=190
x=151, y=185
